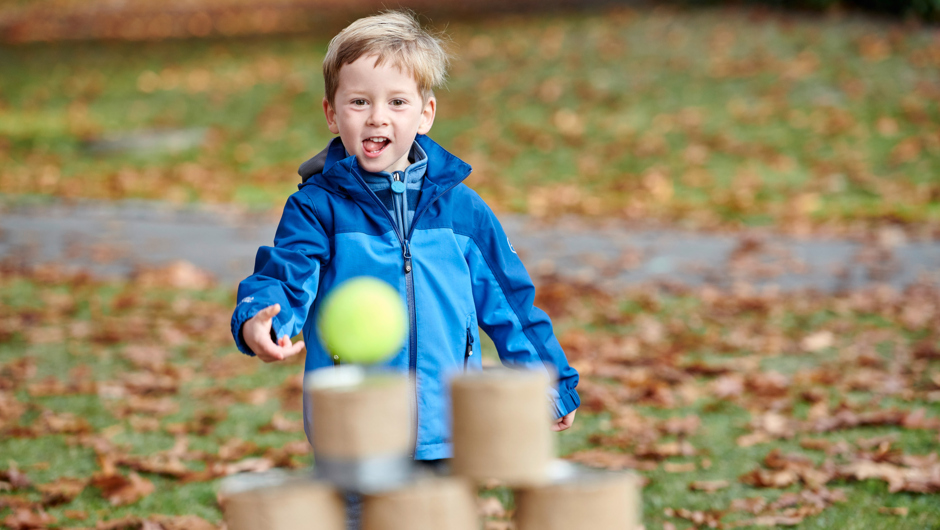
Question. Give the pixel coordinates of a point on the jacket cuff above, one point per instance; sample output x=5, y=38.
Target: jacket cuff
x=566, y=402
x=243, y=312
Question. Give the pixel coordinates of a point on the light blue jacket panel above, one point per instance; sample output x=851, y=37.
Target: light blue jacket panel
x=456, y=269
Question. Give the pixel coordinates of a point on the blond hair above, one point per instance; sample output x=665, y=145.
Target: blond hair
x=394, y=36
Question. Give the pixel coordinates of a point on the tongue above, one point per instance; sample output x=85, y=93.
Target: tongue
x=373, y=146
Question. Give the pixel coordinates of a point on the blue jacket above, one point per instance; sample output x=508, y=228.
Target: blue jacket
x=455, y=268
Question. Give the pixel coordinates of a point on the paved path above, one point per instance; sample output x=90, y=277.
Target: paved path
x=113, y=239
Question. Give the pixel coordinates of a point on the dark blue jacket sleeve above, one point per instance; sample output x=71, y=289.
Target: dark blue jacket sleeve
x=504, y=296
x=287, y=273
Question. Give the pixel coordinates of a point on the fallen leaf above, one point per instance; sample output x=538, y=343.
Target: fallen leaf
x=14, y=477
x=61, y=491
x=708, y=486
x=26, y=519
x=817, y=341
x=120, y=490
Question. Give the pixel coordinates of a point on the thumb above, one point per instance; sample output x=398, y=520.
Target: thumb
x=268, y=312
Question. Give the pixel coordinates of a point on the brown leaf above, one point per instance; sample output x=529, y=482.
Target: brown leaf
x=145, y=405
x=54, y=387
x=120, y=490
x=160, y=464
x=236, y=449
x=679, y=467
x=14, y=477
x=707, y=518
x=64, y=423
x=708, y=486
x=728, y=386
x=666, y=450
x=78, y=515
x=147, y=357
x=280, y=423
x=771, y=520
x=17, y=501
x=610, y=460
x=203, y=423
x=26, y=519
x=764, y=478
x=817, y=341
x=685, y=426
x=754, y=505
x=61, y=491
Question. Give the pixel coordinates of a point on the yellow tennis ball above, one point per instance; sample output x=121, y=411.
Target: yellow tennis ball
x=363, y=320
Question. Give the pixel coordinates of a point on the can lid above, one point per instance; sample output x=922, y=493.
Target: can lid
x=336, y=377
x=350, y=377
x=242, y=482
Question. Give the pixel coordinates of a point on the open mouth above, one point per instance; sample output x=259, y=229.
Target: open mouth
x=375, y=145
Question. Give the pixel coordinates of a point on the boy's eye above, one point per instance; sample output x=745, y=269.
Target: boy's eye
x=359, y=102
x=397, y=102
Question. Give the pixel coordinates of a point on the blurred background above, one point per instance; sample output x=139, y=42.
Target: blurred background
x=732, y=210
x=804, y=118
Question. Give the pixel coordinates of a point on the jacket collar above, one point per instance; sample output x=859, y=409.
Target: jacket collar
x=333, y=170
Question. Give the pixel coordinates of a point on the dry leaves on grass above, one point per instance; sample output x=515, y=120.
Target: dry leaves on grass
x=645, y=364
x=121, y=490
x=61, y=491
x=28, y=519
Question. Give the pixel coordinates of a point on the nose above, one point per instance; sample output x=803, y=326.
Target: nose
x=378, y=116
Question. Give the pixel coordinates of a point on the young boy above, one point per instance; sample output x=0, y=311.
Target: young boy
x=384, y=200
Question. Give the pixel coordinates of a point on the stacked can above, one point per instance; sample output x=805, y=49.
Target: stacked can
x=362, y=437
x=501, y=432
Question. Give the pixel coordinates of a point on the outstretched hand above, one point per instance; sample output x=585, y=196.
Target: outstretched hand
x=565, y=422
x=257, y=334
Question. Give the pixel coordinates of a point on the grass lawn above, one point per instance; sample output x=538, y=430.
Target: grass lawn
x=706, y=118
x=112, y=380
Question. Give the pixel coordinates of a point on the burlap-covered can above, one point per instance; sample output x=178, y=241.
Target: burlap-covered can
x=581, y=499
x=427, y=503
x=275, y=501
x=362, y=426
x=502, y=426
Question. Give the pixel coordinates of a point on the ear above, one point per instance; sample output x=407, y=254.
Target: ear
x=330, y=116
x=427, y=116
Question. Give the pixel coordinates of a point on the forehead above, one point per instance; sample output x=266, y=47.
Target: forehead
x=368, y=72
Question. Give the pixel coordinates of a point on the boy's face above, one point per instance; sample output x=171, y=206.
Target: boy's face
x=378, y=112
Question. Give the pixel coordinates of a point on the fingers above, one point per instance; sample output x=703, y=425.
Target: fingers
x=564, y=423
x=560, y=426
x=288, y=349
x=282, y=350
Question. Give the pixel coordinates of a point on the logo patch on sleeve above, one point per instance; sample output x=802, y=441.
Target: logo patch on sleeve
x=510, y=245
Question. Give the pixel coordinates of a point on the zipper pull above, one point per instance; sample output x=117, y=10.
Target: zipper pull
x=397, y=185
x=406, y=253
x=469, y=343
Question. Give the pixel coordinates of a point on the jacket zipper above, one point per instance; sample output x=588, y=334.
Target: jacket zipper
x=469, y=351
x=409, y=285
